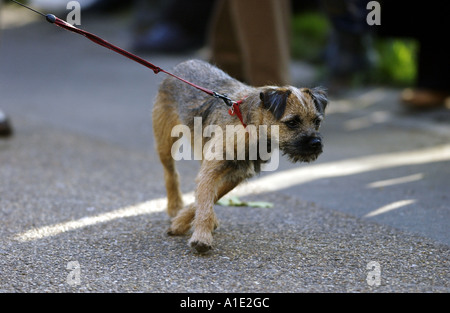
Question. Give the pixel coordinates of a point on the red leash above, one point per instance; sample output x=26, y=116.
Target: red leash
x=234, y=105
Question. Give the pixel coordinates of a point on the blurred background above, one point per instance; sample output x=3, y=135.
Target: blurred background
x=332, y=36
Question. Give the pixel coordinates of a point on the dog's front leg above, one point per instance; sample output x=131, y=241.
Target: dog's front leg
x=185, y=218
x=205, y=219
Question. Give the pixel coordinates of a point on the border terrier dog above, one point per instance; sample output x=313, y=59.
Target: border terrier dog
x=298, y=112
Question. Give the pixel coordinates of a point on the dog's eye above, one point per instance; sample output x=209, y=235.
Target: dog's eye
x=317, y=122
x=292, y=124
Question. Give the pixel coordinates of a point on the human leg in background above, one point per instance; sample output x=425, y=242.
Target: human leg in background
x=251, y=40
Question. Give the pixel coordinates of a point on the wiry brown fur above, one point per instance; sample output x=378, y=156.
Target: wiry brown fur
x=297, y=112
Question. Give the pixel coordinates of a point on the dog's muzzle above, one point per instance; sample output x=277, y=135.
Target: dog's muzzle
x=305, y=149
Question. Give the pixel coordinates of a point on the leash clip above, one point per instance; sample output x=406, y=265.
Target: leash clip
x=233, y=106
x=225, y=98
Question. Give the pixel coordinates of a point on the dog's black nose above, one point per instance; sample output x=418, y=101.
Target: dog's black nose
x=315, y=142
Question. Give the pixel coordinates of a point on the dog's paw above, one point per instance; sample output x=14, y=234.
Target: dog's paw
x=177, y=231
x=172, y=232
x=200, y=247
x=201, y=241
x=180, y=225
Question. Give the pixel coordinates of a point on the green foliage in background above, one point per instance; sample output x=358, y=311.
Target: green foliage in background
x=396, y=58
x=309, y=36
x=397, y=61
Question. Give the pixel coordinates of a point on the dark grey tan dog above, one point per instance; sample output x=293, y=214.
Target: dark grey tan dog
x=297, y=112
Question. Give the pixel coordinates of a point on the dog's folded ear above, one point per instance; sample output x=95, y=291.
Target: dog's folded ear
x=319, y=96
x=275, y=101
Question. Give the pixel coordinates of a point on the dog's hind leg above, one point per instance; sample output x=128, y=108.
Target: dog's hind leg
x=164, y=118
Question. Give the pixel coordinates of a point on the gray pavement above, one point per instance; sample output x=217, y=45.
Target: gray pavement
x=80, y=182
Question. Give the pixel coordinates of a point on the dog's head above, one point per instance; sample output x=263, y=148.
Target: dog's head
x=299, y=114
